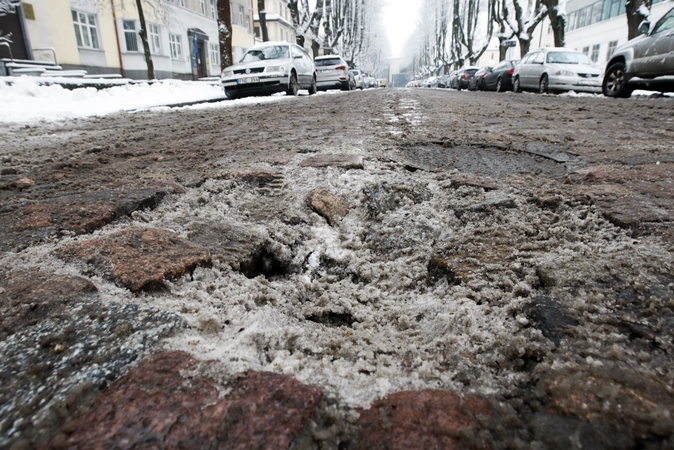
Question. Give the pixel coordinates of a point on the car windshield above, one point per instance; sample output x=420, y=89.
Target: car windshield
x=568, y=58
x=328, y=62
x=261, y=54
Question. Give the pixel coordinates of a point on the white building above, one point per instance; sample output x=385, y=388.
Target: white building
x=597, y=27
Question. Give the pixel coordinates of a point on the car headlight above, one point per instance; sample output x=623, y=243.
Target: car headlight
x=227, y=73
x=281, y=69
x=565, y=73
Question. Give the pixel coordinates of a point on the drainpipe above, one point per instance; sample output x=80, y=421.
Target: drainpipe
x=119, y=47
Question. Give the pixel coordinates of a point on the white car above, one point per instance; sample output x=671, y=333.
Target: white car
x=556, y=70
x=268, y=68
x=333, y=73
x=358, y=78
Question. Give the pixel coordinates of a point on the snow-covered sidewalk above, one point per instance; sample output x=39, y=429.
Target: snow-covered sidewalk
x=25, y=100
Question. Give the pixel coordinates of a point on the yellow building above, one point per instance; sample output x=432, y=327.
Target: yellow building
x=77, y=36
x=279, y=22
x=241, y=27
x=103, y=36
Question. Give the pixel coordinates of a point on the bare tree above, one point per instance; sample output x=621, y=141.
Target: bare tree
x=225, y=33
x=143, y=38
x=528, y=14
x=262, y=13
x=155, y=8
x=636, y=11
x=6, y=7
x=557, y=15
x=306, y=21
x=504, y=33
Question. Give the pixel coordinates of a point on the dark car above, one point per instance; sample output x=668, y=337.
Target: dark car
x=475, y=82
x=500, y=78
x=645, y=62
x=463, y=77
x=443, y=81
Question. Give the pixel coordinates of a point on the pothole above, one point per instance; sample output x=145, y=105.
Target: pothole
x=478, y=160
x=333, y=319
x=264, y=262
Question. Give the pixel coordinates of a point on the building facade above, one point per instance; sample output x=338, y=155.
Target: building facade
x=103, y=36
x=279, y=22
x=242, y=12
x=597, y=27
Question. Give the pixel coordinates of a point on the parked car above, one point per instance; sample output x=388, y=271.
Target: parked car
x=370, y=82
x=333, y=73
x=475, y=82
x=557, y=70
x=500, y=78
x=431, y=82
x=381, y=82
x=645, y=62
x=463, y=77
x=358, y=78
x=268, y=68
x=443, y=81
x=453, y=78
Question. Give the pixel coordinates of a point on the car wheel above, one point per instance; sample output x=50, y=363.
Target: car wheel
x=293, y=87
x=458, y=86
x=312, y=88
x=499, y=85
x=614, y=84
x=231, y=95
x=516, y=85
x=543, y=85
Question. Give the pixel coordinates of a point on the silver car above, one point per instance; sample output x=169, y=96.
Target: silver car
x=358, y=78
x=557, y=70
x=646, y=61
x=333, y=73
x=268, y=68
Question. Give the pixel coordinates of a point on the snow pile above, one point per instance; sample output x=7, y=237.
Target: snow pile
x=27, y=101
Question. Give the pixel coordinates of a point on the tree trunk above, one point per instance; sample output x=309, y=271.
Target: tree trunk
x=263, y=20
x=225, y=33
x=143, y=39
x=557, y=21
x=633, y=10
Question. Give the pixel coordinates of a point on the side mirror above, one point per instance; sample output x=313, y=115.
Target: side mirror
x=644, y=27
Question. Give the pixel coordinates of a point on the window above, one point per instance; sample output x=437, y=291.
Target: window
x=612, y=8
x=176, y=46
x=611, y=48
x=247, y=23
x=595, y=53
x=665, y=24
x=85, y=30
x=582, y=15
x=241, y=16
x=571, y=21
x=130, y=36
x=155, y=41
x=258, y=33
x=202, y=6
x=214, y=10
x=215, y=55
x=181, y=3
x=586, y=50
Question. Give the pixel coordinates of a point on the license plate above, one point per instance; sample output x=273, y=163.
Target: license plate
x=589, y=83
x=248, y=80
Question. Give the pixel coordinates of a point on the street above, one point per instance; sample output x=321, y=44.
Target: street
x=388, y=268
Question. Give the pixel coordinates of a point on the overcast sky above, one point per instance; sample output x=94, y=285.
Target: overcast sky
x=401, y=18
